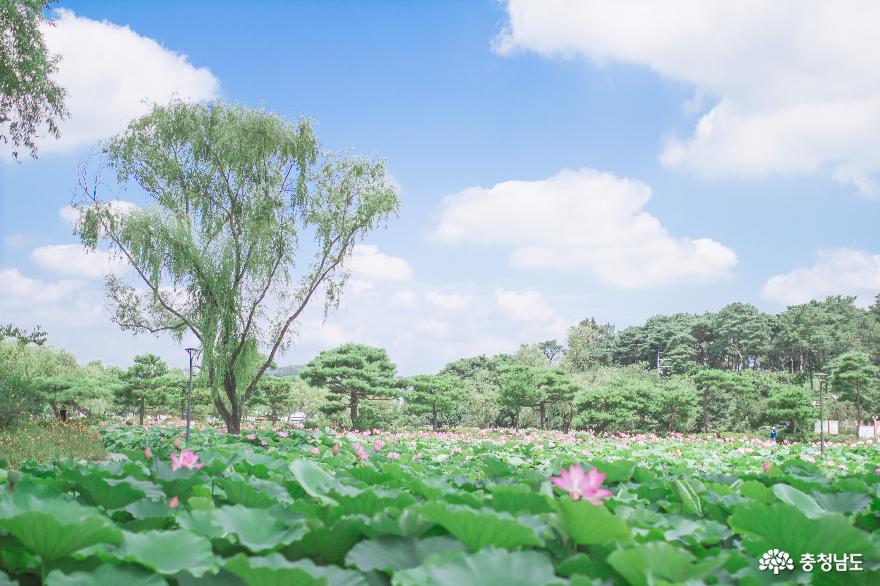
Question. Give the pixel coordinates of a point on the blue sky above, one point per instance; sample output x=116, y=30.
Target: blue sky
x=657, y=170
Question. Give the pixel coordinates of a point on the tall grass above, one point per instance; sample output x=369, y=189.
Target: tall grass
x=44, y=440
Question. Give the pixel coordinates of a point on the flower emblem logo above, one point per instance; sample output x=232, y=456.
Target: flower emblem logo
x=776, y=560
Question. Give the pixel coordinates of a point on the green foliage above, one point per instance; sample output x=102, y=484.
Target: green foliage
x=145, y=383
x=793, y=404
x=435, y=395
x=647, y=403
x=234, y=194
x=590, y=344
x=518, y=388
x=30, y=101
x=351, y=374
x=276, y=393
x=554, y=388
x=852, y=374
x=463, y=508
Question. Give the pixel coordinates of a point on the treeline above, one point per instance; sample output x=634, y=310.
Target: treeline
x=736, y=369
x=37, y=380
x=802, y=339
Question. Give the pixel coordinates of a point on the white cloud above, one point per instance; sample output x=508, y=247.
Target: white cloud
x=404, y=298
x=17, y=291
x=359, y=285
x=528, y=306
x=448, y=301
x=795, y=82
x=437, y=328
x=112, y=74
x=367, y=262
x=836, y=272
x=579, y=220
x=74, y=259
x=323, y=335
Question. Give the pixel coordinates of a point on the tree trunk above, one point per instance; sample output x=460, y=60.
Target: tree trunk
x=353, y=410
x=434, y=417
x=858, y=406
x=541, y=410
x=705, y=410
x=231, y=416
x=142, y=412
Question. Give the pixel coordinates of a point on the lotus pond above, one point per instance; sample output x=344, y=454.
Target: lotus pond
x=492, y=507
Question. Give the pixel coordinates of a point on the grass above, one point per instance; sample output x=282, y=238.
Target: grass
x=44, y=440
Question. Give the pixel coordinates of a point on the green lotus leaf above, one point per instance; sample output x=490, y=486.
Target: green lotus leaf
x=843, y=502
x=327, y=544
x=785, y=527
x=314, y=480
x=106, y=575
x=275, y=570
x=651, y=563
x=259, y=530
x=804, y=502
x=110, y=493
x=52, y=527
x=169, y=552
x=480, y=528
x=518, y=499
x=254, y=493
x=588, y=524
x=390, y=554
x=373, y=502
x=488, y=567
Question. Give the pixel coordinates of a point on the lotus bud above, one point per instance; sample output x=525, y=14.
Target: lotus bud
x=176, y=442
x=148, y=453
x=174, y=503
x=335, y=449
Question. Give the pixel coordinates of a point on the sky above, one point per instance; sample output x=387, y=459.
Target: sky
x=556, y=160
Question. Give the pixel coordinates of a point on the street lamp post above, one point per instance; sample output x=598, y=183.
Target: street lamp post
x=823, y=386
x=191, y=352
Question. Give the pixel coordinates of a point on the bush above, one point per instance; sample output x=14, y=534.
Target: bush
x=19, y=401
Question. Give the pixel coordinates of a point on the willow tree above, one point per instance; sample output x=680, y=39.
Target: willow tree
x=246, y=223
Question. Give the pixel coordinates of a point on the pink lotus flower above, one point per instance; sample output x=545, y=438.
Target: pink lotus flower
x=176, y=443
x=186, y=459
x=315, y=451
x=393, y=456
x=578, y=484
x=377, y=445
x=264, y=443
x=173, y=503
x=361, y=452
x=766, y=466
x=148, y=453
x=251, y=436
x=283, y=434
x=877, y=471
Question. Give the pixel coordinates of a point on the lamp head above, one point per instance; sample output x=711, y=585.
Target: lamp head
x=191, y=351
